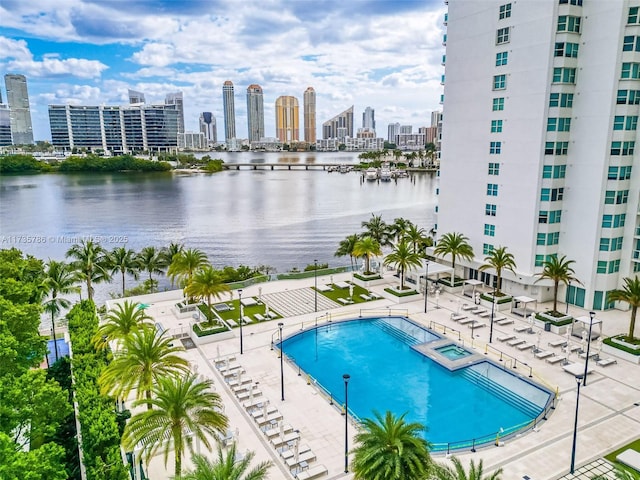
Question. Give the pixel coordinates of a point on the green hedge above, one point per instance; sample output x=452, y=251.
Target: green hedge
x=209, y=331
x=501, y=300
x=400, y=294
x=555, y=323
x=367, y=278
x=609, y=341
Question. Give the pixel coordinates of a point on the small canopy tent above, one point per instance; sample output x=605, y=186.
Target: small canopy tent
x=474, y=284
x=416, y=276
x=580, y=326
x=519, y=305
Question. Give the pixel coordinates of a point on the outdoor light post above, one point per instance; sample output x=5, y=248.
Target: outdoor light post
x=426, y=285
x=315, y=284
x=346, y=378
x=566, y=311
x=586, y=360
x=280, y=325
x=493, y=306
x=240, y=317
x=575, y=425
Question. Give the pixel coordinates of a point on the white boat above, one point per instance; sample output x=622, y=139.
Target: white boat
x=385, y=174
x=371, y=174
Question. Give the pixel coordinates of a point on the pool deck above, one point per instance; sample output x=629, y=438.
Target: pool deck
x=609, y=404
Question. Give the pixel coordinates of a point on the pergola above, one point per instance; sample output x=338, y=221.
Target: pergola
x=433, y=268
x=474, y=283
x=519, y=305
x=580, y=326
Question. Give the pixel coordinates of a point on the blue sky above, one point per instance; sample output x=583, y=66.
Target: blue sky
x=380, y=53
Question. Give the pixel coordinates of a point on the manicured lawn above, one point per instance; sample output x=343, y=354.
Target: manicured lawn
x=612, y=456
x=233, y=316
x=344, y=293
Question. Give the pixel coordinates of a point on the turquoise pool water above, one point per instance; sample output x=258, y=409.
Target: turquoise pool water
x=387, y=374
x=453, y=352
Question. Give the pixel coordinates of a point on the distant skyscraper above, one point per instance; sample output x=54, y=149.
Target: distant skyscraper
x=369, y=119
x=392, y=132
x=229, y=111
x=208, y=127
x=255, y=113
x=20, y=113
x=135, y=97
x=5, y=126
x=340, y=126
x=310, y=115
x=176, y=99
x=287, y=119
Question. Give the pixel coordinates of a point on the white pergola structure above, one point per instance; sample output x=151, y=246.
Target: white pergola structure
x=429, y=268
x=519, y=305
x=581, y=325
x=474, y=284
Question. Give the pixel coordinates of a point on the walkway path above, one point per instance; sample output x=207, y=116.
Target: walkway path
x=291, y=303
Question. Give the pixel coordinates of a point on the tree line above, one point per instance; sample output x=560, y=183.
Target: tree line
x=91, y=163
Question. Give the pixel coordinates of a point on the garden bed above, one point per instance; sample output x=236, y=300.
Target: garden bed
x=404, y=296
x=621, y=348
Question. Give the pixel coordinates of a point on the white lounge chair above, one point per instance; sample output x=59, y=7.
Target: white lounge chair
x=365, y=297
x=557, y=343
x=466, y=307
x=556, y=359
x=505, y=321
x=477, y=324
x=505, y=338
x=290, y=452
x=516, y=341
x=246, y=319
x=466, y=320
x=630, y=458
x=457, y=317
x=303, y=458
x=313, y=472
x=605, y=362
x=521, y=329
x=544, y=354
x=525, y=346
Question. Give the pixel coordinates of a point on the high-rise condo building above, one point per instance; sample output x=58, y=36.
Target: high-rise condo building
x=208, y=126
x=287, y=119
x=310, y=115
x=369, y=119
x=340, y=126
x=19, y=111
x=228, y=103
x=5, y=126
x=541, y=108
x=135, y=97
x=393, y=129
x=177, y=100
x=255, y=113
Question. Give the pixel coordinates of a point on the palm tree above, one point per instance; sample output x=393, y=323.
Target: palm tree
x=167, y=254
x=89, y=261
x=227, y=467
x=630, y=294
x=499, y=259
x=558, y=270
x=377, y=229
x=124, y=261
x=456, y=245
x=346, y=247
x=185, y=264
x=444, y=472
x=206, y=283
x=389, y=448
x=120, y=322
x=59, y=280
x=399, y=228
x=403, y=258
x=145, y=357
x=185, y=406
x=366, y=247
x=151, y=261
x=418, y=238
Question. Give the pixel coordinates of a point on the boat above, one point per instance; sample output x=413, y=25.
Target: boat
x=345, y=169
x=385, y=174
x=371, y=174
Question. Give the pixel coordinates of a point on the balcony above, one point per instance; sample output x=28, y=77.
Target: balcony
x=446, y=19
x=441, y=99
x=444, y=60
x=442, y=80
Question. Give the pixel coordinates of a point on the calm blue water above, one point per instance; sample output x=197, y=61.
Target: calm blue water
x=63, y=350
x=386, y=374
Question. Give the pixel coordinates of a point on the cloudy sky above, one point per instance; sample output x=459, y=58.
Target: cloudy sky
x=380, y=53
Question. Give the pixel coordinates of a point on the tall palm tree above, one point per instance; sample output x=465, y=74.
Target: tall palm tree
x=145, y=357
x=124, y=261
x=476, y=472
x=207, y=282
x=184, y=406
x=227, y=467
x=377, y=229
x=167, y=254
x=59, y=280
x=185, y=264
x=558, y=270
x=403, y=258
x=120, y=322
x=456, y=245
x=418, y=238
x=399, y=228
x=389, y=448
x=345, y=247
x=629, y=293
x=151, y=261
x=367, y=247
x=89, y=261
x=499, y=259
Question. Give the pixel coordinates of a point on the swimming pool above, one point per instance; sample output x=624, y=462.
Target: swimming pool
x=388, y=373
x=453, y=352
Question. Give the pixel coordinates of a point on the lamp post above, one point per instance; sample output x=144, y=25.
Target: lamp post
x=315, y=284
x=280, y=325
x=240, y=317
x=566, y=311
x=575, y=425
x=426, y=284
x=493, y=306
x=586, y=360
x=346, y=378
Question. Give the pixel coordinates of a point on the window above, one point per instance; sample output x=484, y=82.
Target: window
x=629, y=122
x=564, y=100
x=501, y=58
x=489, y=230
x=494, y=169
x=566, y=49
x=556, y=148
x=498, y=104
x=505, y=11
x=492, y=189
x=543, y=216
x=553, y=238
x=555, y=216
x=612, y=173
x=495, y=148
x=602, y=267
x=554, y=171
x=551, y=194
x=502, y=35
x=568, y=23
x=496, y=126
x=631, y=44
x=613, y=221
x=633, y=18
x=560, y=124
x=499, y=82
x=628, y=97
x=625, y=172
x=539, y=260
x=571, y=2
x=630, y=70
x=490, y=210
x=604, y=244
x=487, y=248
x=541, y=239
x=614, y=266
x=616, y=244
x=623, y=148
x=564, y=75
x=610, y=244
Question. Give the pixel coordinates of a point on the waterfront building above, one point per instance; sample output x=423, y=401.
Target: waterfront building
x=177, y=100
x=287, y=119
x=410, y=141
x=310, y=115
x=255, y=113
x=135, y=97
x=393, y=129
x=207, y=122
x=369, y=119
x=193, y=140
x=538, y=143
x=327, y=145
x=228, y=103
x=5, y=125
x=340, y=126
x=364, y=144
x=19, y=110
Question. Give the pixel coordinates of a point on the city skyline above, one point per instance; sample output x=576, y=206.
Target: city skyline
x=352, y=54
